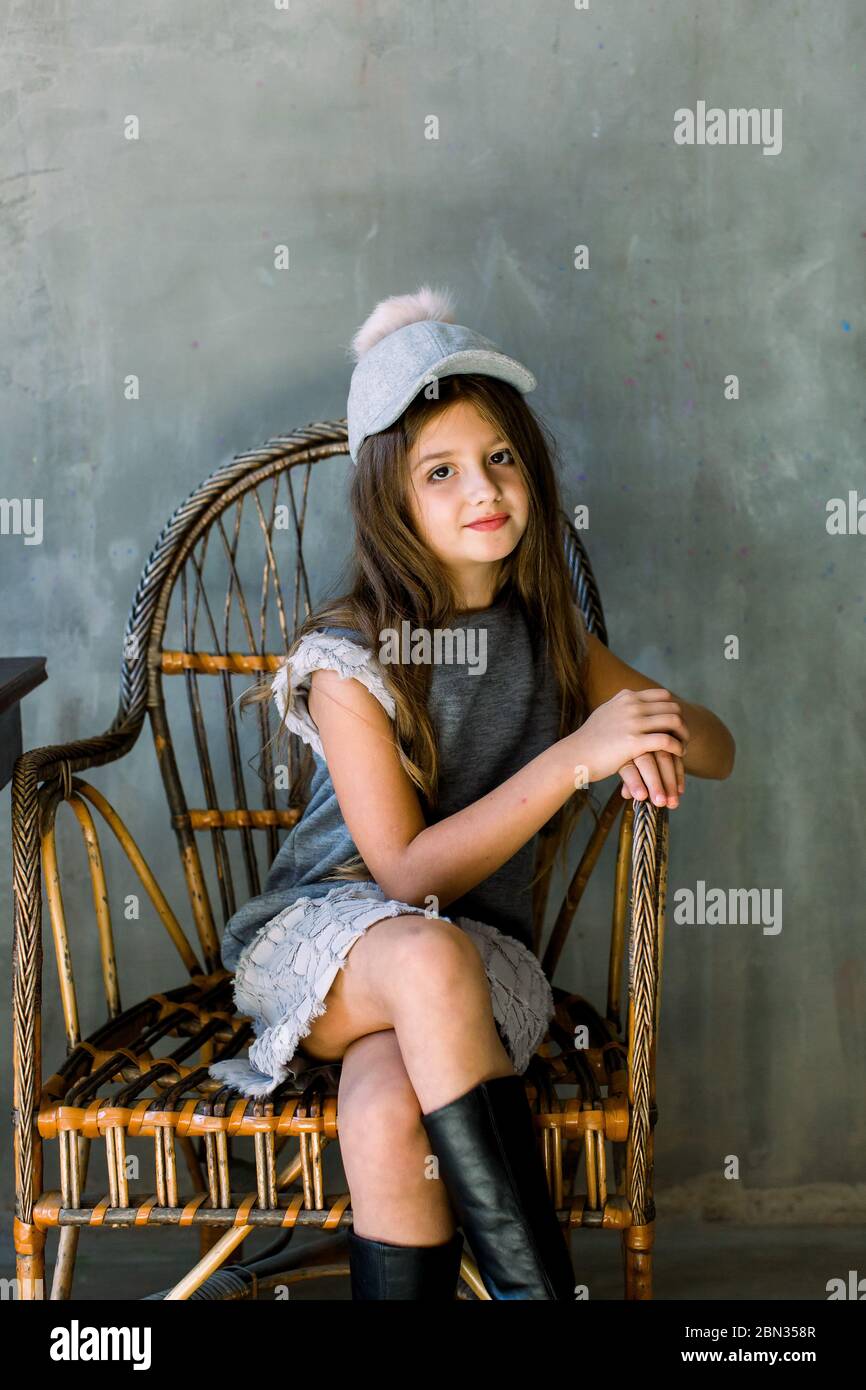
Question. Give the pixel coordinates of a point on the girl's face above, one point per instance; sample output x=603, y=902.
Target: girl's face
x=460, y=471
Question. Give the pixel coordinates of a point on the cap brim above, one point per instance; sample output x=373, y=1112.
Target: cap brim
x=478, y=360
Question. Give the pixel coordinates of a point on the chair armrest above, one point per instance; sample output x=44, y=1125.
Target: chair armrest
x=41, y=777
x=649, y=860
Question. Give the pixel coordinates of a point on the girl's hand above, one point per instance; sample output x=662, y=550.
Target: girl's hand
x=624, y=729
x=660, y=776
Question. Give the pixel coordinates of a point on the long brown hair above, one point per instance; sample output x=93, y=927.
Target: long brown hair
x=395, y=577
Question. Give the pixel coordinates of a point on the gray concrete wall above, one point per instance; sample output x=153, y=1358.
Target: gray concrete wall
x=154, y=256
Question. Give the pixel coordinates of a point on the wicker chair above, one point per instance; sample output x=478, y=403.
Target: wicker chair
x=143, y=1073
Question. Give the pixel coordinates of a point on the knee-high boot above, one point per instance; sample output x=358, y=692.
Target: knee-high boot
x=488, y=1158
x=380, y=1270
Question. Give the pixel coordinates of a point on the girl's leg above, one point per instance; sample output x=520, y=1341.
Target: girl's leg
x=423, y=978
x=385, y=1148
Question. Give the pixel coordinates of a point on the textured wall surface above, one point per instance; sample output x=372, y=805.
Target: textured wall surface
x=154, y=157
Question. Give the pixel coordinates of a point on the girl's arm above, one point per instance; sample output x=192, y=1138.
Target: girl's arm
x=711, y=749
x=414, y=862
x=410, y=860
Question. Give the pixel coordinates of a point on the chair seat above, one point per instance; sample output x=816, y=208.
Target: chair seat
x=116, y=1087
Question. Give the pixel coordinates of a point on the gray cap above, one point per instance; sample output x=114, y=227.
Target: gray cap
x=392, y=372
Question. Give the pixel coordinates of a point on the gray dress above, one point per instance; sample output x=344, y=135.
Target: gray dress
x=494, y=707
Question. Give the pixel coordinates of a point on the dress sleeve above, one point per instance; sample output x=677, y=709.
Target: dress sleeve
x=321, y=651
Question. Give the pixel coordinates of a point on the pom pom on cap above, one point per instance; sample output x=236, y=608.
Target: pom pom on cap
x=397, y=311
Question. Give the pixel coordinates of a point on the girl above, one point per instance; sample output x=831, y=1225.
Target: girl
x=455, y=704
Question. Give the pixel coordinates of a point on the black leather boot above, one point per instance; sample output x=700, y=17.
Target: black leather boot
x=487, y=1149
x=380, y=1270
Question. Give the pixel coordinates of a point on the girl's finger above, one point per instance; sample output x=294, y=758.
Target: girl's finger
x=681, y=773
x=658, y=772
x=646, y=765
x=675, y=775
x=632, y=783
x=668, y=769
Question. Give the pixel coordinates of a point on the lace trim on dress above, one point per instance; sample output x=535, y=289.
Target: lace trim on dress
x=320, y=651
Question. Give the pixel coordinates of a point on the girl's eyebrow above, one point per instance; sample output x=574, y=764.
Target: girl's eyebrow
x=446, y=453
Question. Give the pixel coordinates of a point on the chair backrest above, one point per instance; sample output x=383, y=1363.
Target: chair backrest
x=218, y=603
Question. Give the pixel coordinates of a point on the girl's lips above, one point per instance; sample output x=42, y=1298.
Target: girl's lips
x=493, y=524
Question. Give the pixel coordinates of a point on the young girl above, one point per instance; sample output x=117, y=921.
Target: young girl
x=455, y=704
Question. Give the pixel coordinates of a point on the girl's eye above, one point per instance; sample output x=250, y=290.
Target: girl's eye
x=431, y=477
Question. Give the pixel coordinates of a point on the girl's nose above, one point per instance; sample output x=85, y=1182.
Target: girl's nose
x=482, y=489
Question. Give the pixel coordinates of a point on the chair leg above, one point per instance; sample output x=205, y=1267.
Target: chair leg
x=488, y=1157
x=64, y=1265
x=637, y=1247
x=30, y=1262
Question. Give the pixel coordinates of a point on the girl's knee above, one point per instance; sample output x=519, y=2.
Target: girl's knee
x=432, y=950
